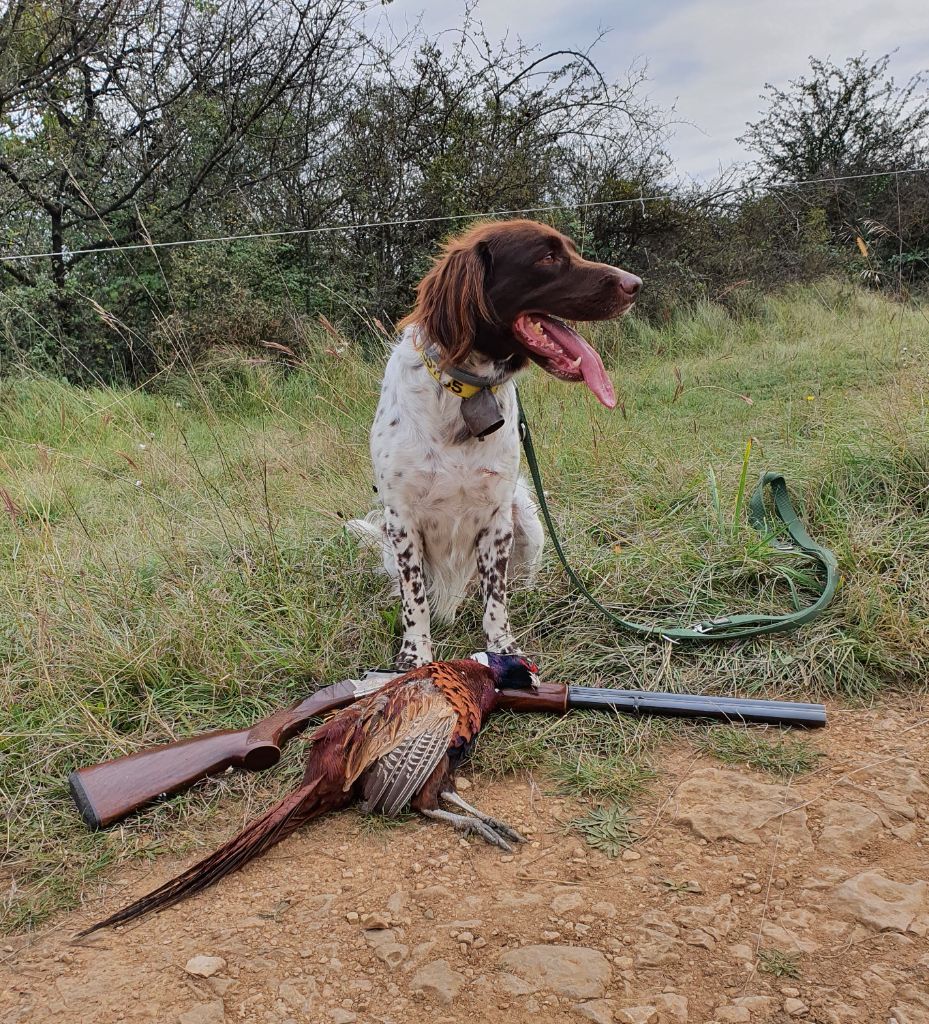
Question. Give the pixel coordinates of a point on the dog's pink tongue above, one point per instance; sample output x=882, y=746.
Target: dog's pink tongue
x=591, y=368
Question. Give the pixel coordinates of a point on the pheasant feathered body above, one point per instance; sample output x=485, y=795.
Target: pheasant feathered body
x=393, y=740
x=397, y=746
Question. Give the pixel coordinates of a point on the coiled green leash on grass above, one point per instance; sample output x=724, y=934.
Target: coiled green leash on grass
x=723, y=627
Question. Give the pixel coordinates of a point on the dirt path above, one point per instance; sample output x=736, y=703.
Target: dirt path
x=827, y=877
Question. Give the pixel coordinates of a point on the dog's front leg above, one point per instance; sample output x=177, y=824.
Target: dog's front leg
x=494, y=544
x=416, y=648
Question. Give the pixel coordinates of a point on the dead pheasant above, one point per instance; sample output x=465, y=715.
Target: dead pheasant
x=400, y=746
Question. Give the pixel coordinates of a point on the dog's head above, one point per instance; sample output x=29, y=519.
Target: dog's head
x=504, y=288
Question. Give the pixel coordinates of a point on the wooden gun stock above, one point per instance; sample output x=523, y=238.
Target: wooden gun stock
x=106, y=792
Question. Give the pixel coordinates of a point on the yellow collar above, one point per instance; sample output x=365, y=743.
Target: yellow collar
x=461, y=388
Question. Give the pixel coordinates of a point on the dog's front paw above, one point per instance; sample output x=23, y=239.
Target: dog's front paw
x=412, y=654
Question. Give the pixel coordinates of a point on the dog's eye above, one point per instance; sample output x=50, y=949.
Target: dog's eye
x=548, y=259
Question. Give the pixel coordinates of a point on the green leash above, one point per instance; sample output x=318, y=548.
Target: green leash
x=724, y=627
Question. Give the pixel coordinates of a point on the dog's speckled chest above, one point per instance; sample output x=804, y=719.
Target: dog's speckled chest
x=418, y=453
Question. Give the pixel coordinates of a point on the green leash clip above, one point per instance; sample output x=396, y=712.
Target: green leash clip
x=723, y=627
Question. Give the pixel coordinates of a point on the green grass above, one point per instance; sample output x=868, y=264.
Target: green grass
x=779, y=963
x=172, y=559
x=609, y=829
x=586, y=754
x=379, y=825
x=753, y=749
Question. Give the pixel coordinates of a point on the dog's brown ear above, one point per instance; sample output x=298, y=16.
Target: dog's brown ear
x=451, y=299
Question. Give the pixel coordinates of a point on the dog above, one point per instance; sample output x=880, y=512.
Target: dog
x=445, y=441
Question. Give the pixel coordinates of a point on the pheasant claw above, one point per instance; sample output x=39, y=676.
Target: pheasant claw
x=470, y=825
x=451, y=797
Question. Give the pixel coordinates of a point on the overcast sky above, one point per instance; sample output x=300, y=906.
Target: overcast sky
x=709, y=58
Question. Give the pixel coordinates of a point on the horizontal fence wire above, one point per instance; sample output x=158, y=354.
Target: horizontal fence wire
x=488, y=214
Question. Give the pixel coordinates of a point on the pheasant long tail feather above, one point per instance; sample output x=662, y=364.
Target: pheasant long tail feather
x=258, y=836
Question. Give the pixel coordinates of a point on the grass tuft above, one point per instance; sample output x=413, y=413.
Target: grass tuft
x=601, y=777
x=779, y=963
x=589, y=754
x=380, y=825
x=609, y=829
x=754, y=749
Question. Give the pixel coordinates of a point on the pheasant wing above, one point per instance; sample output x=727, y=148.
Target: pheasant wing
x=399, y=737
x=396, y=777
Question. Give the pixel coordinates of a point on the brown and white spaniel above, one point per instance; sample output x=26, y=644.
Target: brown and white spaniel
x=445, y=444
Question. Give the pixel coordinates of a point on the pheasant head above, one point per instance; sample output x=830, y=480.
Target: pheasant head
x=510, y=671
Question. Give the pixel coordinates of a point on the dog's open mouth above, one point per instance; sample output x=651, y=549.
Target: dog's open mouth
x=563, y=353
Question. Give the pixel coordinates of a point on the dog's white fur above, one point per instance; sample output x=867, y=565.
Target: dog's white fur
x=453, y=509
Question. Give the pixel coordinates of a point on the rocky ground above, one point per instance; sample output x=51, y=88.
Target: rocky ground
x=748, y=898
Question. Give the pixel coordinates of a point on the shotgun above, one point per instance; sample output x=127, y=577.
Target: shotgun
x=106, y=792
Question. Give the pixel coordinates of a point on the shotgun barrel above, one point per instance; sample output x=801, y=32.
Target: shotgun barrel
x=683, y=705
x=559, y=699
